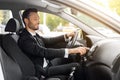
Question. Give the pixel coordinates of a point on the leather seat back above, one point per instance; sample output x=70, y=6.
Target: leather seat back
x=12, y=49
x=11, y=70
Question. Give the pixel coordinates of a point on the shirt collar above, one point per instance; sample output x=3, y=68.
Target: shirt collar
x=33, y=34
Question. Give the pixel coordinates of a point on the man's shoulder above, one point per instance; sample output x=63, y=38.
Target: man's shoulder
x=24, y=34
x=22, y=31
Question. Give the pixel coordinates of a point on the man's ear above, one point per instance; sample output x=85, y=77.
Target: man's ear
x=26, y=21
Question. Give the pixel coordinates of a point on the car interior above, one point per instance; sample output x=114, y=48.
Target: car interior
x=102, y=61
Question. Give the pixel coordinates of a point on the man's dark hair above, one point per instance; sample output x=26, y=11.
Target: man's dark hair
x=27, y=12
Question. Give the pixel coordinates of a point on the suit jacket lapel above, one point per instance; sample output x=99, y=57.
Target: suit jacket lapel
x=40, y=41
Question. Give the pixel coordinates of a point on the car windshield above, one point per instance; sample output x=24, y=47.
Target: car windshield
x=93, y=23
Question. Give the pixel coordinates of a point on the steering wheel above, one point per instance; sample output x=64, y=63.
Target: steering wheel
x=72, y=41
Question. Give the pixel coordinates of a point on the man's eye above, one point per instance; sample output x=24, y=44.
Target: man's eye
x=36, y=19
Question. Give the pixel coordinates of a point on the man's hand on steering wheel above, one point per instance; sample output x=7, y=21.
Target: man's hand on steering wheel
x=73, y=38
x=71, y=34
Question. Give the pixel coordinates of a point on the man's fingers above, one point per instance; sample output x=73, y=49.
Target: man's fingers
x=83, y=50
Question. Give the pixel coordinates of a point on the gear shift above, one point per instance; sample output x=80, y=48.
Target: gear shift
x=71, y=74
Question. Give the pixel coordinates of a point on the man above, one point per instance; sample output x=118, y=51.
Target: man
x=35, y=47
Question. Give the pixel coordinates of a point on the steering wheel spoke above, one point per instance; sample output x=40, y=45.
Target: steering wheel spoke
x=71, y=42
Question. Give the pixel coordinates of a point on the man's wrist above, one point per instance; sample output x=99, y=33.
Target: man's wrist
x=66, y=37
x=70, y=51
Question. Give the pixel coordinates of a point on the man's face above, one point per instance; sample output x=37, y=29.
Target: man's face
x=33, y=21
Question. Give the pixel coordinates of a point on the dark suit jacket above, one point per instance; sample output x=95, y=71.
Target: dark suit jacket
x=37, y=52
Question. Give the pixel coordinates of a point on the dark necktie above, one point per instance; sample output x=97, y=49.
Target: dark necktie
x=37, y=40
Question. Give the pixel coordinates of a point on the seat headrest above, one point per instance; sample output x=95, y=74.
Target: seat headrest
x=13, y=25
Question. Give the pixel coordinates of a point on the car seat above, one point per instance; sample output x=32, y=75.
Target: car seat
x=11, y=70
x=11, y=48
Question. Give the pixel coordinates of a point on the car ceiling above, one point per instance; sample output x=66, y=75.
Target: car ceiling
x=23, y=4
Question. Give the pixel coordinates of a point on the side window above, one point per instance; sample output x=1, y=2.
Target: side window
x=52, y=25
x=5, y=15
